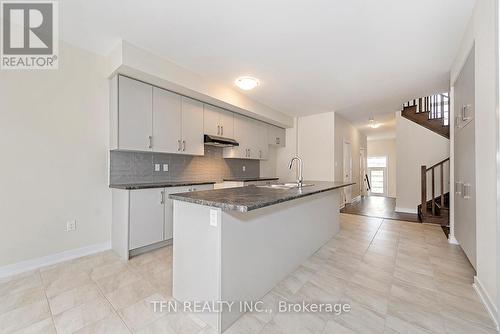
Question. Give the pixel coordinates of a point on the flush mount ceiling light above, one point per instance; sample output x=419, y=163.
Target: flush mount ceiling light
x=373, y=125
x=246, y=82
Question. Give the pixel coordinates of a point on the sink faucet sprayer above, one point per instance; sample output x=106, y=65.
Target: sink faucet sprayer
x=301, y=167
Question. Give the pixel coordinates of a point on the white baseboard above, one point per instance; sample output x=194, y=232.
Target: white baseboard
x=23, y=266
x=405, y=210
x=452, y=240
x=487, y=301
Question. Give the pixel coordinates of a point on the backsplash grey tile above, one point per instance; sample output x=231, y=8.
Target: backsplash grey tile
x=138, y=167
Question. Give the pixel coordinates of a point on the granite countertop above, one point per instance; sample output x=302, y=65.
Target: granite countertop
x=244, y=199
x=249, y=179
x=135, y=186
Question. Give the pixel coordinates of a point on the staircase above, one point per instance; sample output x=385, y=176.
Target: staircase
x=431, y=112
x=436, y=210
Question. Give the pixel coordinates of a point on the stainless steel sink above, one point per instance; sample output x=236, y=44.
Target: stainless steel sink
x=286, y=185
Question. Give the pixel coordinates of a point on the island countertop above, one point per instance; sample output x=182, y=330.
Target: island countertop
x=244, y=199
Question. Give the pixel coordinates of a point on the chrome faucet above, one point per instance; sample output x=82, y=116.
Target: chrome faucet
x=300, y=180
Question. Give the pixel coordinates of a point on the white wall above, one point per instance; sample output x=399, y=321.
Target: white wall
x=316, y=146
x=386, y=147
x=283, y=155
x=345, y=131
x=415, y=146
x=54, y=143
x=482, y=32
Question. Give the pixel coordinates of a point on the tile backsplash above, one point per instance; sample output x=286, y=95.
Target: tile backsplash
x=138, y=167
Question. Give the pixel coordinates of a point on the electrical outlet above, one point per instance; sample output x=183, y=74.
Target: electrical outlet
x=244, y=168
x=70, y=225
x=165, y=167
x=157, y=167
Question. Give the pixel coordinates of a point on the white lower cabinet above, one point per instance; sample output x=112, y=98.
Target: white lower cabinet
x=146, y=217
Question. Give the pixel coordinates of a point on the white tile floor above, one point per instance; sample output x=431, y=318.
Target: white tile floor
x=399, y=278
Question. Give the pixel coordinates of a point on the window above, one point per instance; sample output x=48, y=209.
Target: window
x=377, y=162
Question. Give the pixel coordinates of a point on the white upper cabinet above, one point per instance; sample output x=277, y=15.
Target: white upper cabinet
x=211, y=120
x=218, y=122
x=263, y=141
x=192, y=127
x=148, y=118
x=166, y=121
x=246, y=133
x=135, y=115
x=227, y=123
x=277, y=136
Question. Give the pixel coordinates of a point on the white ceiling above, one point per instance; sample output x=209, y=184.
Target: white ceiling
x=386, y=130
x=358, y=57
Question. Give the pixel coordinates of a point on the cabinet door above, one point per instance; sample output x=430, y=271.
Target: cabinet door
x=227, y=123
x=263, y=142
x=192, y=127
x=169, y=210
x=241, y=136
x=146, y=217
x=254, y=140
x=211, y=121
x=166, y=121
x=277, y=136
x=134, y=115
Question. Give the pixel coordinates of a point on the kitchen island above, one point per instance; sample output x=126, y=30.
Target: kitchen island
x=236, y=244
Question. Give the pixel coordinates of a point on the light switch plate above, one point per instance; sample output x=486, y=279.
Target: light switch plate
x=213, y=217
x=157, y=167
x=165, y=167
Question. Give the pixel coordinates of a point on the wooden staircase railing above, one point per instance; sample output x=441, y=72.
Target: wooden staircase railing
x=423, y=179
x=437, y=106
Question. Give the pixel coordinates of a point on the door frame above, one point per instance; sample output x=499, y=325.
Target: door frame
x=347, y=191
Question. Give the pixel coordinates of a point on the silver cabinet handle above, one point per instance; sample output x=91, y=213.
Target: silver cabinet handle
x=162, y=198
x=150, y=141
x=459, y=187
x=178, y=145
x=222, y=130
x=467, y=191
x=183, y=145
x=218, y=130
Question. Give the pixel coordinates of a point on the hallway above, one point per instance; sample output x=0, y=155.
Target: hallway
x=379, y=207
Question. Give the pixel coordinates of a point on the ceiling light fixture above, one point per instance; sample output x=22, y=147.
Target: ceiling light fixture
x=247, y=83
x=374, y=125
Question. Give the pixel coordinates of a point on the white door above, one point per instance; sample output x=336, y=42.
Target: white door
x=135, y=115
x=347, y=171
x=146, y=217
x=166, y=121
x=377, y=175
x=211, y=120
x=192, y=127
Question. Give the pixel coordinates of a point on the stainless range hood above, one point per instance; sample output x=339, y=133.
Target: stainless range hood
x=220, y=141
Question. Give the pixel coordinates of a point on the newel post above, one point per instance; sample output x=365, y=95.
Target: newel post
x=423, y=188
